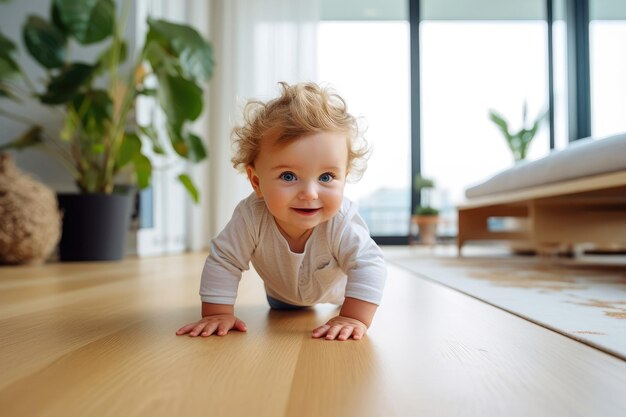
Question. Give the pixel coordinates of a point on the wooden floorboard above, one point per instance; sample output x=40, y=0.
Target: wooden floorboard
x=97, y=339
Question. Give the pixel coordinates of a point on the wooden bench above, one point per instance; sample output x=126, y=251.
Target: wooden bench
x=588, y=210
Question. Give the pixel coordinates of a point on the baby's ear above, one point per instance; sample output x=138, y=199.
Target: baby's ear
x=254, y=180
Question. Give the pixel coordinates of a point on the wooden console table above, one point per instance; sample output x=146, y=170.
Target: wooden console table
x=584, y=210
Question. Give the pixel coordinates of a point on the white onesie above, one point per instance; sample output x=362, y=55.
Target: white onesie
x=340, y=259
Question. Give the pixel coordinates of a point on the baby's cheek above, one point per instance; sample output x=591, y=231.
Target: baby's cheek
x=334, y=203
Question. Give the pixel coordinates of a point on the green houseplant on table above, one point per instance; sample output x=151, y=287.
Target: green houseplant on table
x=425, y=216
x=100, y=141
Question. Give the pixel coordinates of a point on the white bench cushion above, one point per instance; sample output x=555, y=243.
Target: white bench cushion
x=582, y=158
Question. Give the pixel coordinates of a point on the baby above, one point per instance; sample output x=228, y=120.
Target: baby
x=305, y=240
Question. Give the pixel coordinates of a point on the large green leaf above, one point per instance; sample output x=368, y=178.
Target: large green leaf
x=67, y=84
x=8, y=59
x=160, y=60
x=8, y=69
x=31, y=137
x=187, y=145
x=190, y=187
x=44, y=41
x=181, y=99
x=55, y=18
x=143, y=170
x=129, y=150
x=7, y=47
x=195, y=54
x=197, y=151
x=176, y=139
x=95, y=109
x=153, y=135
x=88, y=21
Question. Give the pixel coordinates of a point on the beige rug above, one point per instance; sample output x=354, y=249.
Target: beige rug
x=584, y=301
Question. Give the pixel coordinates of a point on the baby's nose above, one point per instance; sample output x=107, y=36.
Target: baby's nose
x=308, y=191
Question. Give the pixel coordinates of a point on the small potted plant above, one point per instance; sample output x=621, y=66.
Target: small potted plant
x=100, y=140
x=519, y=141
x=425, y=216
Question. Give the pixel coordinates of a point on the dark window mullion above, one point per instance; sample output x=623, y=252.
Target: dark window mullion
x=579, y=85
x=414, y=23
x=550, y=22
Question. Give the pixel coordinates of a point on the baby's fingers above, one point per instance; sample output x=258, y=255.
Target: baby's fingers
x=358, y=333
x=240, y=325
x=199, y=327
x=209, y=329
x=320, y=331
x=345, y=333
x=332, y=333
x=186, y=329
x=223, y=328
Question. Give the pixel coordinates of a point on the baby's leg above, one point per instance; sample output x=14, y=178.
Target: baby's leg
x=281, y=305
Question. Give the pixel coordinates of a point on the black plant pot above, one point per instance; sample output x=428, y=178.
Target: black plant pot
x=94, y=226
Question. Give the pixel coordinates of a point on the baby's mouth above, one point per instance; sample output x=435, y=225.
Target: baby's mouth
x=306, y=211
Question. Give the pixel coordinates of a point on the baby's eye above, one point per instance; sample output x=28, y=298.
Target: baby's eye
x=326, y=177
x=288, y=176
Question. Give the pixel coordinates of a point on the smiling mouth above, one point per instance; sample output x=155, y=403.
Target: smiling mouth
x=306, y=211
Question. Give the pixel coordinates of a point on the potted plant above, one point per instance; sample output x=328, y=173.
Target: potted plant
x=100, y=141
x=519, y=141
x=425, y=216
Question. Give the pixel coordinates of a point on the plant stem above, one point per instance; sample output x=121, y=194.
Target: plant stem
x=117, y=135
x=60, y=154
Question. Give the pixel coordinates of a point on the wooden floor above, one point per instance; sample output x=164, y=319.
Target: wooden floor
x=98, y=340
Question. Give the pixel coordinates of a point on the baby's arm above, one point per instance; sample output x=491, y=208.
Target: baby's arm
x=229, y=255
x=353, y=320
x=215, y=317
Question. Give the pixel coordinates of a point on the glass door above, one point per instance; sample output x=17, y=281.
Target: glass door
x=607, y=49
x=363, y=52
x=476, y=57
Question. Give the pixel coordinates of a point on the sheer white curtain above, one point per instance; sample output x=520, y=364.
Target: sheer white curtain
x=166, y=233
x=257, y=44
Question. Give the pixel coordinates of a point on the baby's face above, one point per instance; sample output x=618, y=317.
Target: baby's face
x=302, y=182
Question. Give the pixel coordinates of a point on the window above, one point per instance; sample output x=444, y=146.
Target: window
x=607, y=49
x=560, y=82
x=363, y=52
x=473, y=56
x=473, y=59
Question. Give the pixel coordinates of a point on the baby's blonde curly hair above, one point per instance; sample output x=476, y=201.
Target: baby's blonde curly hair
x=301, y=109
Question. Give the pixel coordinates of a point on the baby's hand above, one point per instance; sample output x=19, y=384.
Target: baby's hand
x=341, y=328
x=208, y=325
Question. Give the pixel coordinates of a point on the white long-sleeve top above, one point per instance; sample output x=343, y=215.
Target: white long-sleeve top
x=339, y=260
